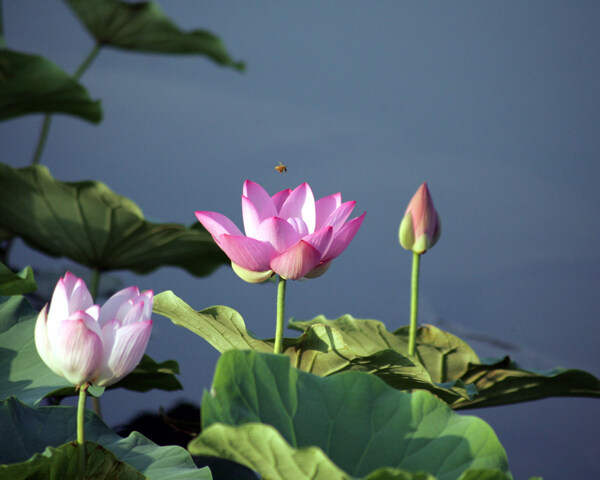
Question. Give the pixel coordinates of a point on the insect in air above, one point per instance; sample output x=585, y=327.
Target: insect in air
x=281, y=168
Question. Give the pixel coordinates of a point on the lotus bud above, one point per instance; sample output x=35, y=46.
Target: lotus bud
x=88, y=344
x=420, y=228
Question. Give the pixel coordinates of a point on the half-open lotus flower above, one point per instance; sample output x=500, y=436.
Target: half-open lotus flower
x=420, y=228
x=288, y=233
x=88, y=344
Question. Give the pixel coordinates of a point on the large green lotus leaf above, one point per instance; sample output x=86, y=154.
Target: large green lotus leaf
x=16, y=283
x=90, y=224
x=34, y=84
x=445, y=356
x=63, y=463
x=26, y=431
x=261, y=448
x=144, y=27
x=360, y=423
x=502, y=383
x=320, y=349
x=25, y=375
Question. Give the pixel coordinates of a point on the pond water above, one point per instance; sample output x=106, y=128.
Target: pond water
x=494, y=105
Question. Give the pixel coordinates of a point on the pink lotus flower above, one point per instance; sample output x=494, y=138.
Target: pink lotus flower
x=420, y=228
x=288, y=234
x=88, y=344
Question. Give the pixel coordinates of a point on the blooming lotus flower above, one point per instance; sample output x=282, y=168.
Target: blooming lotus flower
x=420, y=228
x=88, y=344
x=288, y=234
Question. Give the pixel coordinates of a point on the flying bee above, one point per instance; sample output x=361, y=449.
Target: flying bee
x=281, y=168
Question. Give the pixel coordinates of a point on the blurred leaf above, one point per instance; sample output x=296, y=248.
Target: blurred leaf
x=25, y=375
x=503, y=383
x=13, y=310
x=63, y=463
x=26, y=431
x=90, y=224
x=16, y=283
x=352, y=422
x=320, y=349
x=22, y=372
x=34, y=84
x=150, y=374
x=144, y=27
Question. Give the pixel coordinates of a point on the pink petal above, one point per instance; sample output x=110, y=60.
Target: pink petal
x=69, y=281
x=278, y=233
x=279, y=199
x=297, y=261
x=94, y=312
x=248, y=253
x=134, y=315
x=321, y=239
x=217, y=224
x=128, y=345
x=42, y=344
x=423, y=212
x=299, y=226
x=300, y=203
x=260, y=199
x=79, y=296
x=251, y=218
x=59, y=304
x=77, y=349
x=326, y=206
x=340, y=215
x=118, y=305
x=343, y=237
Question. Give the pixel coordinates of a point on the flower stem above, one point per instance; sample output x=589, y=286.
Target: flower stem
x=414, y=304
x=48, y=117
x=280, y=315
x=80, y=433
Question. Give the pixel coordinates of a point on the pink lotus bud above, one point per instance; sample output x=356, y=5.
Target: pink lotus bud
x=88, y=344
x=289, y=233
x=420, y=228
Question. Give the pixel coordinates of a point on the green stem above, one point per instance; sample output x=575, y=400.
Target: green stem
x=80, y=433
x=95, y=283
x=280, y=315
x=414, y=304
x=42, y=140
x=2, y=41
x=87, y=62
x=48, y=117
